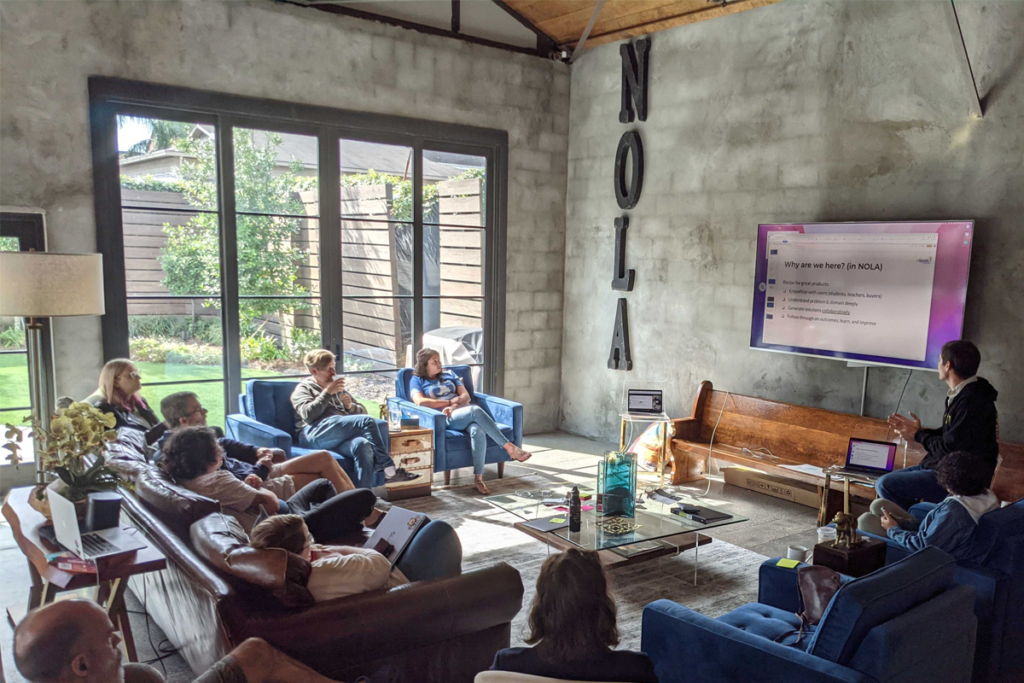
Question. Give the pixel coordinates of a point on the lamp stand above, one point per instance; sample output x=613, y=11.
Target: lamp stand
x=39, y=396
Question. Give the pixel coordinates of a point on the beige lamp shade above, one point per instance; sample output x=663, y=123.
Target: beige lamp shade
x=36, y=284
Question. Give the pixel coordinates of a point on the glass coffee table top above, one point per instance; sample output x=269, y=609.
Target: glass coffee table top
x=652, y=521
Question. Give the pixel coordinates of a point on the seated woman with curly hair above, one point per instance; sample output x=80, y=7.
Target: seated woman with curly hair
x=572, y=625
x=193, y=458
x=951, y=524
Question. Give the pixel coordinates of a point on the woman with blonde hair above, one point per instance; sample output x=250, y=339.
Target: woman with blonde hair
x=118, y=393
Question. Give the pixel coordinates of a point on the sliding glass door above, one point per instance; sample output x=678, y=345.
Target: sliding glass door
x=251, y=231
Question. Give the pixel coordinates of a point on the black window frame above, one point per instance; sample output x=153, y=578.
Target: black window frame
x=112, y=97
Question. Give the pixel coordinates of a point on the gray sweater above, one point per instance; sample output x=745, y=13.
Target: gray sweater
x=313, y=404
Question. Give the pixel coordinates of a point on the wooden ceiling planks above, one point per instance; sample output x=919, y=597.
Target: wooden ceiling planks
x=565, y=20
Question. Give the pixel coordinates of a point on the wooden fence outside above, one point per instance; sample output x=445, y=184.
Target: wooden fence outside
x=376, y=264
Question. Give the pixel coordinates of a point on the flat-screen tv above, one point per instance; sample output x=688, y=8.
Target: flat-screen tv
x=880, y=293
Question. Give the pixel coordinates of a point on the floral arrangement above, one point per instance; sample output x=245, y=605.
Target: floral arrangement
x=75, y=432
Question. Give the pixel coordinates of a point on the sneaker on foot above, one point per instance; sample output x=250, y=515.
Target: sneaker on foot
x=400, y=475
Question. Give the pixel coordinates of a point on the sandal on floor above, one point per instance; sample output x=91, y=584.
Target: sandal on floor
x=481, y=488
x=519, y=455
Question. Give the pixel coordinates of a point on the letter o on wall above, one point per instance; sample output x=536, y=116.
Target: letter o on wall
x=628, y=196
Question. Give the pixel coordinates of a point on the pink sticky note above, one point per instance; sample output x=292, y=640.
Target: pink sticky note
x=562, y=509
x=586, y=507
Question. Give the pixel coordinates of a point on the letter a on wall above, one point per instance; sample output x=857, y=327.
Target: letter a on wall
x=634, y=80
x=622, y=280
x=619, y=358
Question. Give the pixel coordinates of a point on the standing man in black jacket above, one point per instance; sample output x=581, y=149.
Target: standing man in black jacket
x=970, y=423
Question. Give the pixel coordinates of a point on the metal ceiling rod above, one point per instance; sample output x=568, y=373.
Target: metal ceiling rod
x=963, y=58
x=586, y=31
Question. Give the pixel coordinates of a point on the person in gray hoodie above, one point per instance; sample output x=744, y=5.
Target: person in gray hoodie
x=328, y=418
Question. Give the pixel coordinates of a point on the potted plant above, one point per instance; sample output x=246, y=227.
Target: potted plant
x=73, y=450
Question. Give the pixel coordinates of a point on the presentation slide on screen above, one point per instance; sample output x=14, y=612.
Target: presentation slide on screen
x=840, y=292
x=880, y=292
x=871, y=454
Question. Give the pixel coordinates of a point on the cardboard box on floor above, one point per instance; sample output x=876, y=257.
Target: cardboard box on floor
x=794, y=491
x=787, y=489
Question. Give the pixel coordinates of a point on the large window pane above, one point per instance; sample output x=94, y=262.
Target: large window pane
x=175, y=340
x=276, y=173
x=454, y=189
x=276, y=333
x=14, y=382
x=170, y=252
x=453, y=262
x=278, y=256
x=376, y=180
x=211, y=396
x=371, y=389
x=167, y=163
x=377, y=333
x=376, y=258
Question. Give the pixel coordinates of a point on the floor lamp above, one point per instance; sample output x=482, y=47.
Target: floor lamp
x=38, y=284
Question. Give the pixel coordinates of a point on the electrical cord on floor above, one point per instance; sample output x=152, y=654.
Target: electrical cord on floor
x=711, y=443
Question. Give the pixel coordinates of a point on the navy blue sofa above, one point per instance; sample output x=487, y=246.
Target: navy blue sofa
x=267, y=420
x=996, y=573
x=905, y=623
x=451, y=447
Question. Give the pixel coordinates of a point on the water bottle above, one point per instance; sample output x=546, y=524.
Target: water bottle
x=574, y=511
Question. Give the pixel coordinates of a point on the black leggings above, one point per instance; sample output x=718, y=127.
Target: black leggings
x=329, y=516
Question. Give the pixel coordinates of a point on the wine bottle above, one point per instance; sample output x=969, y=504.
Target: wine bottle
x=574, y=511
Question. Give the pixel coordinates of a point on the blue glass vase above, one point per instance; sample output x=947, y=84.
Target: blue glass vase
x=616, y=485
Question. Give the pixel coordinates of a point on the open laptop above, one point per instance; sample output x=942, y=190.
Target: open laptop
x=645, y=403
x=864, y=456
x=92, y=545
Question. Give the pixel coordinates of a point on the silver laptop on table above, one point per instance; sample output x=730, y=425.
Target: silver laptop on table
x=92, y=545
x=645, y=403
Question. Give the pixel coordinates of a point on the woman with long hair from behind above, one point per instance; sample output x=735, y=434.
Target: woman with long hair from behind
x=573, y=629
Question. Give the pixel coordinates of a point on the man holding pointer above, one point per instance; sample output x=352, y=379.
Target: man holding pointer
x=969, y=423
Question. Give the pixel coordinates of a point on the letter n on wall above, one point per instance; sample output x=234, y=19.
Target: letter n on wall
x=619, y=358
x=634, y=80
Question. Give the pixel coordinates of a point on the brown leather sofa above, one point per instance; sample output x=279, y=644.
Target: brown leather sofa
x=217, y=591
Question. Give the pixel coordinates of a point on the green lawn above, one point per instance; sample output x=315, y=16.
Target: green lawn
x=14, y=386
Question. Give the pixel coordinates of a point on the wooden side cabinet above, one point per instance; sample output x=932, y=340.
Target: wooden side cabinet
x=413, y=450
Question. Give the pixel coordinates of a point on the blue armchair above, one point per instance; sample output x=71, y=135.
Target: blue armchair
x=996, y=573
x=267, y=420
x=907, y=622
x=451, y=448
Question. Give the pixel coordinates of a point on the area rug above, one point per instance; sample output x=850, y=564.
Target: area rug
x=726, y=574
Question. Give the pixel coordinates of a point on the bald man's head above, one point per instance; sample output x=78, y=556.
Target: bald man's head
x=70, y=640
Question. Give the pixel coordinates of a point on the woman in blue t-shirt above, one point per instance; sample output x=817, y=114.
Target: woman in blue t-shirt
x=434, y=387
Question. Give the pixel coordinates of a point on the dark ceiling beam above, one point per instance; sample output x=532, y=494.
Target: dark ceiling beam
x=545, y=43
x=348, y=11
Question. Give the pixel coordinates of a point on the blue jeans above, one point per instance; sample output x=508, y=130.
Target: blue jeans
x=910, y=486
x=352, y=436
x=479, y=425
x=434, y=553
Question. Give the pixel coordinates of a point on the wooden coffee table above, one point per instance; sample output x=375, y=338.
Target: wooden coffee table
x=48, y=581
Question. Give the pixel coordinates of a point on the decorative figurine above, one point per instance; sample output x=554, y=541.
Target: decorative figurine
x=846, y=531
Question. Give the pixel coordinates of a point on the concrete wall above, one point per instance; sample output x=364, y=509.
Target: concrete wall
x=808, y=110
x=287, y=53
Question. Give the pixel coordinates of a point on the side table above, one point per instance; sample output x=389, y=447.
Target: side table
x=413, y=450
x=48, y=581
x=859, y=560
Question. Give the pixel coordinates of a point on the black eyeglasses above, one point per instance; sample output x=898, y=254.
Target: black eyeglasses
x=200, y=409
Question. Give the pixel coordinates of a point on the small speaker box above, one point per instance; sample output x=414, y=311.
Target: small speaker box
x=410, y=422
x=104, y=510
